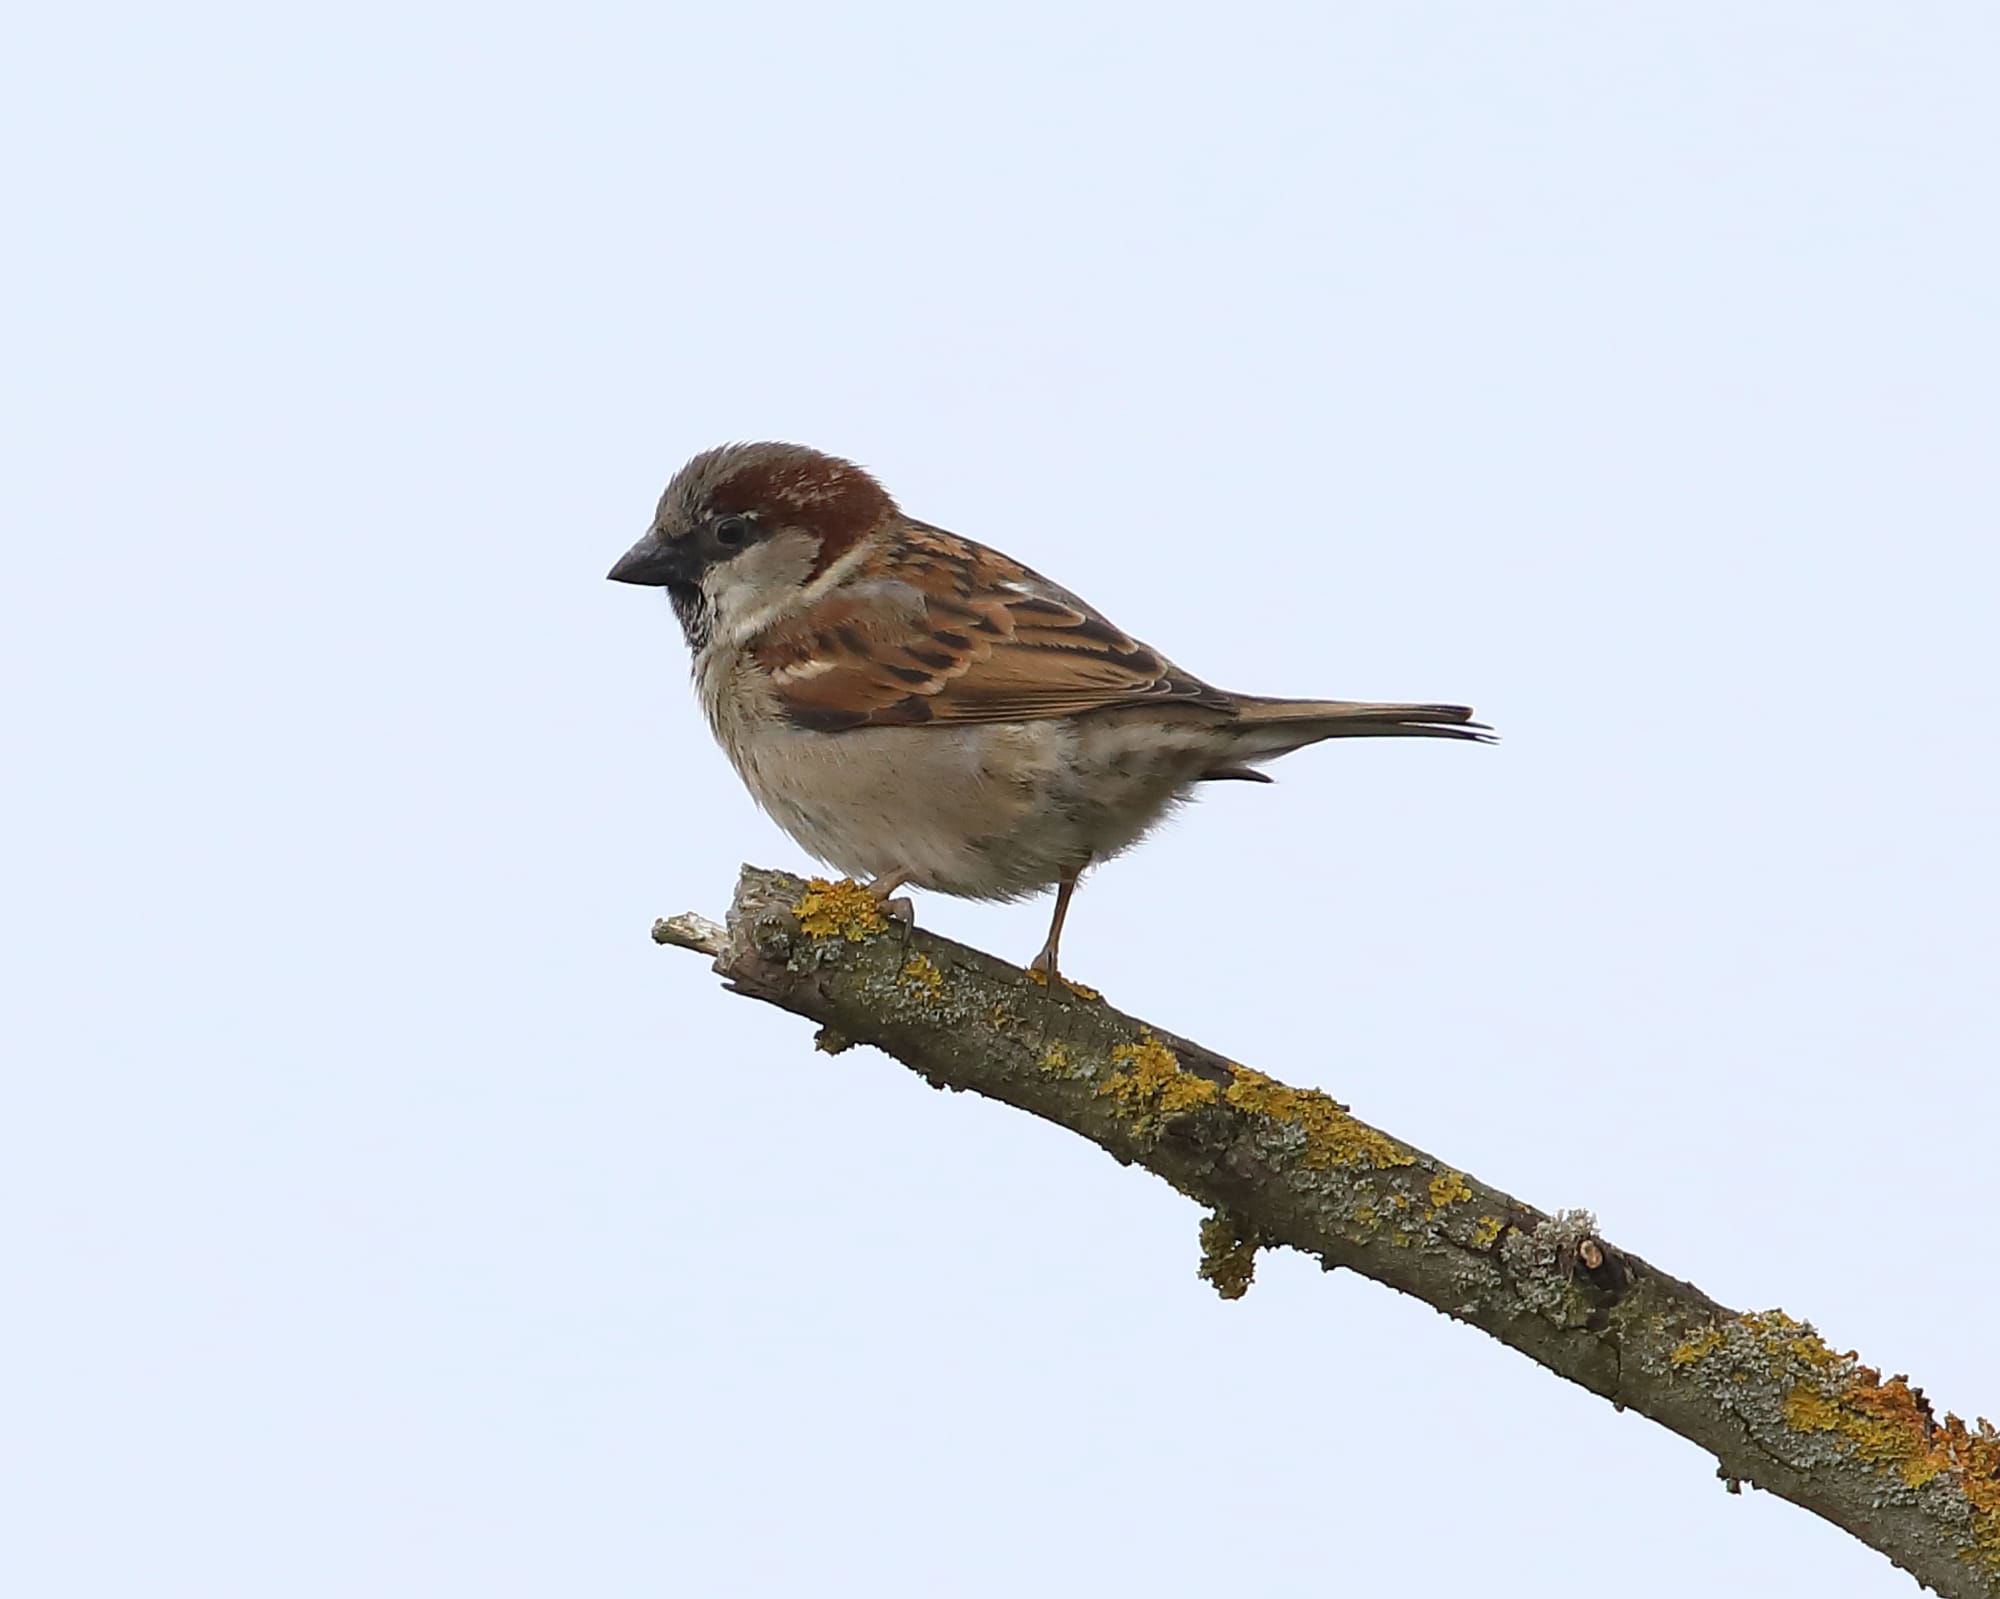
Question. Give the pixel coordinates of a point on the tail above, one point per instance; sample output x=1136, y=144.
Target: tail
x=1265, y=728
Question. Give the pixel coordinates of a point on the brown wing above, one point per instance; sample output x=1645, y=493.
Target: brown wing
x=936, y=628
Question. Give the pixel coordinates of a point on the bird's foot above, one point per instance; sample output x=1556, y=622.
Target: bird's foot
x=1042, y=971
x=899, y=909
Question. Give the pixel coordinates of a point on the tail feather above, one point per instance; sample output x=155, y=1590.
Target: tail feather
x=1269, y=727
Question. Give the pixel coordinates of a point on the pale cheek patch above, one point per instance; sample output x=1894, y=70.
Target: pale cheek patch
x=757, y=587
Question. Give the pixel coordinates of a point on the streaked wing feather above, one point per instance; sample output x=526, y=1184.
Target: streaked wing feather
x=946, y=630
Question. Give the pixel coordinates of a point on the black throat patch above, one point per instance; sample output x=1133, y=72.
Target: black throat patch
x=696, y=614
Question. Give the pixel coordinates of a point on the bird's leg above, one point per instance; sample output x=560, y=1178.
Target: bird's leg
x=885, y=885
x=1045, y=963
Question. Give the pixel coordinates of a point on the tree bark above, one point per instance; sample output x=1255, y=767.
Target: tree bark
x=1283, y=1166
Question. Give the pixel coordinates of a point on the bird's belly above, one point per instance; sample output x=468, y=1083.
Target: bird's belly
x=986, y=811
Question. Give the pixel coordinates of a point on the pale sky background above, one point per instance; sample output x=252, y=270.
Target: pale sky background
x=383, y=1214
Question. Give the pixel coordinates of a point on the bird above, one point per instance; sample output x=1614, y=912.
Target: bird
x=914, y=708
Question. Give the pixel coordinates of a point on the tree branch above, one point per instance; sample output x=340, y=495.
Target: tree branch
x=1278, y=1165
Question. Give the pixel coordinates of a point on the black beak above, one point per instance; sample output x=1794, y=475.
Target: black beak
x=654, y=561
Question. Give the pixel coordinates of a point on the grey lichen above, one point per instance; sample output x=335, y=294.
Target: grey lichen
x=1541, y=1259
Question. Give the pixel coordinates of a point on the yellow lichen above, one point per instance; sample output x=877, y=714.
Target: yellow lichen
x=1777, y=1336
x=839, y=910
x=920, y=971
x=1147, y=1081
x=1365, y=1215
x=1889, y=1425
x=1037, y=974
x=1333, y=1138
x=1877, y=1432
x=1447, y=1188
x=1058, y=1061
x=1886, y=1424
x=1699, y=1347
x=1485, y=1230
x=1781, y=1335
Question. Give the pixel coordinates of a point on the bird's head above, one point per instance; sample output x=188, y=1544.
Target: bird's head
x=744, y=530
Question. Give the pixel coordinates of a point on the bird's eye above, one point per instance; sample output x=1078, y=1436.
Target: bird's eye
x=731, y=531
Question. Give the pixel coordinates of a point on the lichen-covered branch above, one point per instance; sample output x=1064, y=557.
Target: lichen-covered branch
x=1283, y=1166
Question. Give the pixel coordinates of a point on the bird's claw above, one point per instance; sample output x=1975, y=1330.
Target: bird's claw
x=1039, y=973
x=899, y=909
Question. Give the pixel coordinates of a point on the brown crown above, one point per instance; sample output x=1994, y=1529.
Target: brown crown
x=792, y=486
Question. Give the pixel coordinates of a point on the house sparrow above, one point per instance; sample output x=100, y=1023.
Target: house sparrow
x=913, y=707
